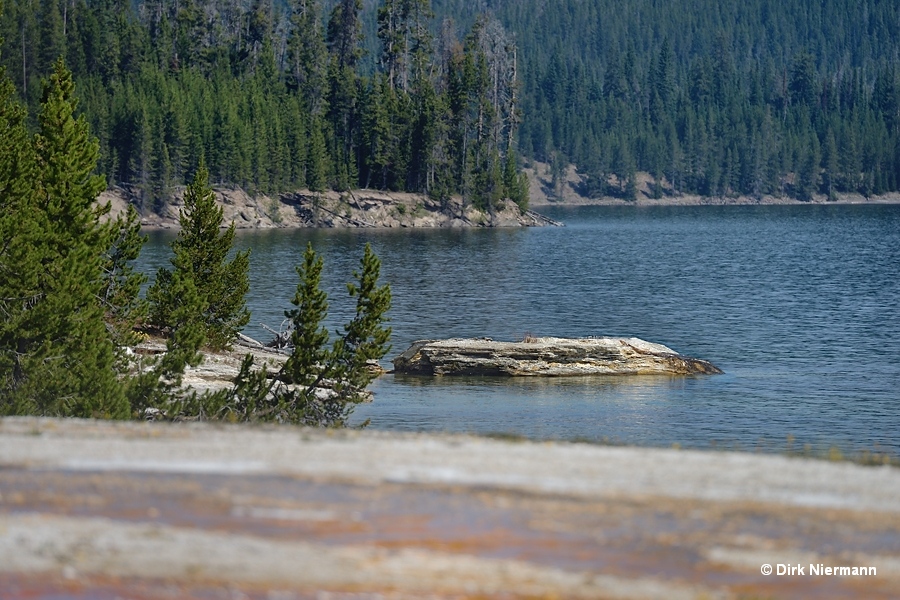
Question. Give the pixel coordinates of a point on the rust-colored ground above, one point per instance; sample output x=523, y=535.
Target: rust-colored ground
x=343, y=539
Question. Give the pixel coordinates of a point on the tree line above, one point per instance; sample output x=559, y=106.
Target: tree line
x=275, y=99
x=71, y=316
x=710, y=97
x=719, y=131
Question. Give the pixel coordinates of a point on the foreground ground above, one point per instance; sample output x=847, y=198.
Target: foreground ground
x=103, y=510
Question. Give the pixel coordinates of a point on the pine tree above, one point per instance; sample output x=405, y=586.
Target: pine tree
x=55, y=339
x=808, y=176
x=156, y=384
x=317, y=386
x=307, y=363
x=344, y=34
x=19, y=252
x=121, y=282
x=201, y=255
x=830, y=161
x=317, y=159
x=365, y=337
x=514, y=182
x=306, y=54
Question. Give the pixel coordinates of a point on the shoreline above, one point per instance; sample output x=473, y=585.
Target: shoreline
x=541, y=193
x=842, y=200
x=353, y=209
x=373, y=209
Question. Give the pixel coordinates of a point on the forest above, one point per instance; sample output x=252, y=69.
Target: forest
x=274, y=100
x=709, y=97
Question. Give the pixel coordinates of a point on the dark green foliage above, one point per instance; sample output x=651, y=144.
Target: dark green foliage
x=275, y=102
x=309, y=337
x=365, y=337
x=324, y=383
x=201, y=260
x=714, y=98
x=156, y=383
x=515, y=182
x=56, y=354
x=119, y=295
x=317, y=385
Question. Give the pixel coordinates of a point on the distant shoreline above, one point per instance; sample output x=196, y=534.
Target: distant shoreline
x=386, y=210
x=543, y=193
x=842, y=200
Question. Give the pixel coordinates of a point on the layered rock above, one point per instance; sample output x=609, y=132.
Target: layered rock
x=548, y=357
x=351, y=209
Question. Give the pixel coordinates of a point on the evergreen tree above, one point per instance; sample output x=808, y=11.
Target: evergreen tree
x=59, y=358
x=119, y=296
x=20, y=254
x=318, y=385
x=830, y=162
x=306, y=54
x=365, y=337
x=317, y=159
x=808, y=176
x=344, y=35
x=201, y=256
x=515, y=182
x=307, y=364
x=156, y=385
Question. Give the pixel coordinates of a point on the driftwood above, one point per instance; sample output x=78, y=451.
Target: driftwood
x=282, y=339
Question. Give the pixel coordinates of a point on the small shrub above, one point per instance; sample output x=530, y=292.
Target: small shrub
x=273, y=211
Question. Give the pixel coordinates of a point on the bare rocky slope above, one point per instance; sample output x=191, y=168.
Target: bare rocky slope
x=351, y=209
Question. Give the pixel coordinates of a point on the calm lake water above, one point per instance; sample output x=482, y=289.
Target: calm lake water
x=799, y=305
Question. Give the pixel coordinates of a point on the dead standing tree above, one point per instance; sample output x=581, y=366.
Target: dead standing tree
x=499, y=50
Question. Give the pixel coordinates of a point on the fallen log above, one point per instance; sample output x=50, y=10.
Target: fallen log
x=547, y=357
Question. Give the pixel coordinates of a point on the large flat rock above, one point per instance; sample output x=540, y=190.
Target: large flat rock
x=547, y=356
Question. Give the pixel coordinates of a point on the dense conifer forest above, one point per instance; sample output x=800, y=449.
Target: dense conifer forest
x=275, y=99
x=711, y=97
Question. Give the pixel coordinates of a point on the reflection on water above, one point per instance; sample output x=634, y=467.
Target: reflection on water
x=798, y=304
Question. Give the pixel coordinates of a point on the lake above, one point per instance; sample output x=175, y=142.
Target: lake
x=799, y=305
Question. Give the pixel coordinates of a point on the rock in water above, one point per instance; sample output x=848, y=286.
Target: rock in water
x=547, y=357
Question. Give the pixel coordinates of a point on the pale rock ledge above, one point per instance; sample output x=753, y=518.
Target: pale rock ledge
x=547, y=357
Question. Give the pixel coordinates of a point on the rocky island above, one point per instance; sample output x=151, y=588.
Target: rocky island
x=548, y=357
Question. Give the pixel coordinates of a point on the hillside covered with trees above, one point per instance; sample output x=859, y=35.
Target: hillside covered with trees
x=710, y=97
x=274, y=99
x=713, y=97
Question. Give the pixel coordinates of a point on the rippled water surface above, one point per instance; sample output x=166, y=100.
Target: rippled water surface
x=797, y=304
